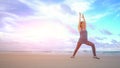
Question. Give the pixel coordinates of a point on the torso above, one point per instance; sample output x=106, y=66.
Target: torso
x=83, y=36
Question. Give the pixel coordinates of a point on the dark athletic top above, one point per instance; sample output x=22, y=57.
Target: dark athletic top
x=83, y=36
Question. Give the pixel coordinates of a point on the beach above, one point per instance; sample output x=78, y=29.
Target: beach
x=48, y=60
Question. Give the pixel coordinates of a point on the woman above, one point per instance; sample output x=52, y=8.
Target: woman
x=83, y=37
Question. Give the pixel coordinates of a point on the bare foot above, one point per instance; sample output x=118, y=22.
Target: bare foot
x=72, y=57
x=95, y=57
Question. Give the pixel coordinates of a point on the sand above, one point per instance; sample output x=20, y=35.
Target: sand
x=46, y=60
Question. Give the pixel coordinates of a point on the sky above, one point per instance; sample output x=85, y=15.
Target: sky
x=41, y=25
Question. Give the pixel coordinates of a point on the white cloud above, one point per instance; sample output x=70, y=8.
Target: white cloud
x=8, y=20
x=97, y=17
x=80, y=5
x=55, y=11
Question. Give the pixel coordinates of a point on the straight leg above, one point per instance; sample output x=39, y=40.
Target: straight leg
x=93, y=49
x=76, y=49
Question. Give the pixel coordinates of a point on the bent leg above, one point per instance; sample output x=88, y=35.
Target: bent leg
x=76, y=49
x=93, y=47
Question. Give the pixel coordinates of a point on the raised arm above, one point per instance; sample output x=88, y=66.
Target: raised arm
x=83, y=21
x=80, y=17
x=83, y=18
x=79, y=22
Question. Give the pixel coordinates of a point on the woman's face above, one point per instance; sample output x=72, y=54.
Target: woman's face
x=82, y=25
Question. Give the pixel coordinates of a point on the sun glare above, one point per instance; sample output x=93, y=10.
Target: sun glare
x=43, y=32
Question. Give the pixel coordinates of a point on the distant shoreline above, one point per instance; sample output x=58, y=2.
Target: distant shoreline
x=63, y=52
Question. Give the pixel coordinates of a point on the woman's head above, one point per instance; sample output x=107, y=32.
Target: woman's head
x=82, y=25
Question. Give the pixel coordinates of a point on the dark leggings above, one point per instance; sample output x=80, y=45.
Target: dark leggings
x=87, y=43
